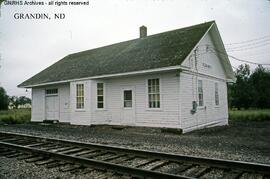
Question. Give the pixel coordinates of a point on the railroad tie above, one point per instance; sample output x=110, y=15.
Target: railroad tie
x=46, y=161
x=232, y=174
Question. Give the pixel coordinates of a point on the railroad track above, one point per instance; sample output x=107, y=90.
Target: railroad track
x=72, y=156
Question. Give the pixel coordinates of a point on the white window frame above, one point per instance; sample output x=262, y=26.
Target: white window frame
x=82, y=96
x=104, y=95
x=200, y=92
x=216, y=93
x=160, y=94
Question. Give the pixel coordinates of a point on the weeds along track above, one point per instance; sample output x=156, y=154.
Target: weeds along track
x=119, y=162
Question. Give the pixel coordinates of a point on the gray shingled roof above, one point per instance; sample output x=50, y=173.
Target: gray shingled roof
x=155, y=51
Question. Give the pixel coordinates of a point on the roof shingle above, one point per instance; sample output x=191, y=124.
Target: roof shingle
x=155, y=51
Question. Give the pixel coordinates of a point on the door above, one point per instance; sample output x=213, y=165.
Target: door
x=128, y=106
x=52, y=107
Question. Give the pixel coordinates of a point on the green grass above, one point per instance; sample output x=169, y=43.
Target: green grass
x=255, y=115
x=15, y=116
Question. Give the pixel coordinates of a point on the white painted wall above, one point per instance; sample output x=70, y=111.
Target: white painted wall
x=38, y=103
x=167, y=116
x=64, y=97
x=80, y=116
x=204, y=57
x=206, y=66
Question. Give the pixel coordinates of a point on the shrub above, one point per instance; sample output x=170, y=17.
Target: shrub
x=18, y=116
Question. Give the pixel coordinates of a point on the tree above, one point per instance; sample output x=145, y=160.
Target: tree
x=16, y=101
x=241, y=91
x=3, y=99
x=250, y=90
x=260, y=80
x=13, y=102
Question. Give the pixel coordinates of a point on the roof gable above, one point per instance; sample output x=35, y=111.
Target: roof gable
x=155, y=51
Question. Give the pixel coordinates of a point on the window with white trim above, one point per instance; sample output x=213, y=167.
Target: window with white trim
x=80, y=96
x=216, y=94
x=200, y=92
x=153, y=93
x=100, y=95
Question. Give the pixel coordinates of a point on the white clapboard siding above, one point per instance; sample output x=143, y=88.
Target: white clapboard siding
x=38, y=102
x=38, y=105
x=64, y=97
x=167, y=116
x=209, y=70
x=80, y=116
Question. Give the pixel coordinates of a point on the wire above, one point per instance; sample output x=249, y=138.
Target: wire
x=241, y=49
x=241, y=60
x=251, y=44
x=247, y=41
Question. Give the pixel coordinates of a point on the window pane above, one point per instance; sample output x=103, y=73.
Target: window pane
x=99, y=92
x=128, y=95
x=158, y=104
x=100, y=105
x=154, y=104
x=100, y=98
x=128, y=103
x=100, y=85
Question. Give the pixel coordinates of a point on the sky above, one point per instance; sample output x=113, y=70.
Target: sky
x=29, y=46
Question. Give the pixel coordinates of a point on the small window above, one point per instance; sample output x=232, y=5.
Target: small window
x=127, y=98
x=100, y=95
x=52, y=91
x=153, y=93
x=216, y=94
x=200, y=92
x=79, y=96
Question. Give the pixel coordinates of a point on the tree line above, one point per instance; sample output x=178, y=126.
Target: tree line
x=13, y=102
x=251, y=89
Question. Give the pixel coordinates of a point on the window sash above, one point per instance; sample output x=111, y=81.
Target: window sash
x=216, y=94
x=80, y=96
x=100, y=95
x=200, y=92
x=127, y=98
x=153, y=93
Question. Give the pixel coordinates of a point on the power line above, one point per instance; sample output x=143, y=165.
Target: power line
x=247, y=41
x=251, y=44
x=241, y=49
x=238, y=59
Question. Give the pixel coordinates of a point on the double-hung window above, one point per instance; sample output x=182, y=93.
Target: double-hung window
x=216, y=94
x=80, y=96
x=100, y=95
x=153, y=93
x=200, y=92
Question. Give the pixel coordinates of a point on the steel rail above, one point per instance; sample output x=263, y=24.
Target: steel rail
x=94, y=163
x=229, y=164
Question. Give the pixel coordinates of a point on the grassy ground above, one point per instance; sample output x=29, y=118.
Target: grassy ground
x=19, y=116
x=15, y=116
x=255, y=115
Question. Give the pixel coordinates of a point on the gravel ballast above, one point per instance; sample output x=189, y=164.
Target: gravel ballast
x=241, y=140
